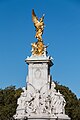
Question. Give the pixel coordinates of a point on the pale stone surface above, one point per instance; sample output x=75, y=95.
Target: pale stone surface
x=38, y=73
x=40, y=100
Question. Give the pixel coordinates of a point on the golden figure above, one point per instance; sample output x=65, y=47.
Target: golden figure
x=39, y=25
x=38, y=47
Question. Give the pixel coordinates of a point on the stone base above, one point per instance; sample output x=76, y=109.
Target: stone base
x=49, y=118
x=41, y=117
x=62, y=117
x=44, y=117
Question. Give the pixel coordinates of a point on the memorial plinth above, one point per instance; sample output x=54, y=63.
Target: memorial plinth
x=38, y=73
x=40, y=101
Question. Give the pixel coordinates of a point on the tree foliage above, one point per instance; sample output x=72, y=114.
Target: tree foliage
x=9, y=96
x=8, y=100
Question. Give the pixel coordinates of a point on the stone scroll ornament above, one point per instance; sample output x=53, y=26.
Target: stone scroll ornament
x=38, y=47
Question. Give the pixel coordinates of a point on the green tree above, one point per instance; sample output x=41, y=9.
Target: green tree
x=8, y=102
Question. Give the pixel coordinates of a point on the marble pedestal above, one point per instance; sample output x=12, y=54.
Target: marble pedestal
x=40, y=101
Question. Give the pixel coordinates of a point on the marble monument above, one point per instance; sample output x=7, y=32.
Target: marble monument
x=40, y=100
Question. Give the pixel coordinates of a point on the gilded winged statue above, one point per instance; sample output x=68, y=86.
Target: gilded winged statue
x=39, y=25
x=38, y=47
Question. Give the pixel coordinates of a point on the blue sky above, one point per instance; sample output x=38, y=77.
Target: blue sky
x=62, y=32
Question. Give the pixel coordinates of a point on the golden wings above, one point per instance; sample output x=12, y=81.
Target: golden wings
x=39, y=25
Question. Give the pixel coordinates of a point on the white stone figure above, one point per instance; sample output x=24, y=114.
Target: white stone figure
x=53, y=86
x=21, y=100
x=30, y=103
x=58, y=103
